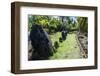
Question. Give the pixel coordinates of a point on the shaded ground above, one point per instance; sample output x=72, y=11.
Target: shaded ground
x=68, y=49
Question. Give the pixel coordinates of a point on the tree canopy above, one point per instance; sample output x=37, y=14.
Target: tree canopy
x=58, y=23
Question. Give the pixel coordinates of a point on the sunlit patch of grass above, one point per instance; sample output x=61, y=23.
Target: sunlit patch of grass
x=68, y=49
x=55, y=37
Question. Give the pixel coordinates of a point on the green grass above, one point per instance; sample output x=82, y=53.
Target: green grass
x=68, y=49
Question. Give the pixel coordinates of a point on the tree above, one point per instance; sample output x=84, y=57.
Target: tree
x=82, y=24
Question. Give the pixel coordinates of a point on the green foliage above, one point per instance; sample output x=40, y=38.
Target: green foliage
x=48, y=22
x=82, y=24
x=58, y=23
x=54, y=22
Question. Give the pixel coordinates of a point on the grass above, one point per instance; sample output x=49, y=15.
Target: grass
x=68, y=49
